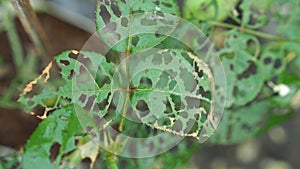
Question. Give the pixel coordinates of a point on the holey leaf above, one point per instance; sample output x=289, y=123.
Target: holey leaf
x=56, y=133
x=133, y=24
x=64, y=93
x=244, y=71
x=169, y=90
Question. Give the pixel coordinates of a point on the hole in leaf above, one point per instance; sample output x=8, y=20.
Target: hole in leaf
x=54, y=151
x=247, y=127
x=190, y=126
x=202, y=92
x=231, y=67
x=116, y=10
x=142, y=106
x=168, y=107
x=105, y=1
x=163, y=80
x=83, y=76
x=112, y=27
x=73, y=55
x=124, y=21
x=85, y=61
x=189, y=83
x=104, y=103
x=184, y=114
x=104, y=14
x=198, y=71
x=251, y=70
x=146, y=82
x=177, y=126
x=157, y=60
x=89, y=128
x=101, y=80
x=135, y=40
x=157, y=35
x=87, y=161
x=90, y=102
x=82, y=98
x=64, y=62
x=71, y=75
x=192, y=103
x=167, y=57
x=156, y=2
x=277, y=63
x=196, y=116
x=267, y=60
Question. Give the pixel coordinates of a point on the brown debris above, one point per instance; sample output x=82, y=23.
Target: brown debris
x=46, y=72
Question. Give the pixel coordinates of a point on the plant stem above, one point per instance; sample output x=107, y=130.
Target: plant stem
x=13, y=37
x=32, y=26
x=127, y=80
x=253, y=32
x=112, y=163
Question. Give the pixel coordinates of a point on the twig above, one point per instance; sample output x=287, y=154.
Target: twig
x=253, y=32
x=32, y=26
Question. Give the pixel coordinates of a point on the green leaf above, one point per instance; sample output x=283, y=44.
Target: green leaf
x=129, y=24
x=208, y=9
x=245, y=123
x=60, y=128
x=243, y=70
x=253, y=14
x=76, y=72
x=165, y=76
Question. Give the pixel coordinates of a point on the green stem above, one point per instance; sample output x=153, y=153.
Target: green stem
x=112, y=161
x=12, y=35
x=253, y=32
x=121, y=126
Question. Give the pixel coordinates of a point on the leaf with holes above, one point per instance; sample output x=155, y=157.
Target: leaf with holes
x=129, y=24
x=74, y=66
x=244, y=123
x=170, y=90
x=56, y=133
x=243, y=70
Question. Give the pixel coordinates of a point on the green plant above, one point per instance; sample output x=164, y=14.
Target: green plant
x=140, y=71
